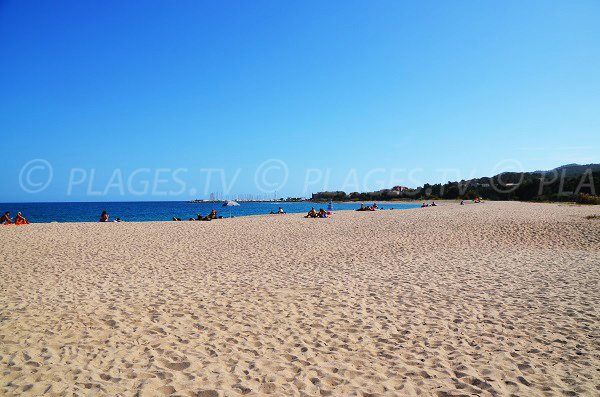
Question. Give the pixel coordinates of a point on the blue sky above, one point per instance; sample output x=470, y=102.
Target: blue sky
x=352, y=95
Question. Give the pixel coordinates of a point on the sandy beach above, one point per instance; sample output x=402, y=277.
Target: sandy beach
x=483, y=299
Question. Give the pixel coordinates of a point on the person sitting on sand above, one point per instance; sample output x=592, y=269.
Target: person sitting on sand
x=104, y=217
x=19, y=220
x=374, y=207
x=212, y=215
x=281, y=211
x=321, y=213
x=462, y=202
x=424, y=205
x=362, y=207
x=433, y=204
x=6, y=220
x=312, y=213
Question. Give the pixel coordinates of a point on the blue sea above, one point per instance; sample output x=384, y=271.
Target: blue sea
x=143, y=211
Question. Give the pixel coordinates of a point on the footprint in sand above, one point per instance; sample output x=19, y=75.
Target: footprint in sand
x=207, y=393
x=166, y=390
x=176, y=366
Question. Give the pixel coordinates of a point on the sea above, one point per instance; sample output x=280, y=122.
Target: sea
x=147, y=211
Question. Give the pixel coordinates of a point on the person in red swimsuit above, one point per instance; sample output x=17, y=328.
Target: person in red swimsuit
x=19, y=220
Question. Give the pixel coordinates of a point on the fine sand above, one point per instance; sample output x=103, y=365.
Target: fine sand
x=483, y=299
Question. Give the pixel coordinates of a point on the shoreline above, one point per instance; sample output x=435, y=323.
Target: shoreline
x=161, y=212
x=383, y=203
x=214, y=220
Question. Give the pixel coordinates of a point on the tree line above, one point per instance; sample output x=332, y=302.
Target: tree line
x=555, y=185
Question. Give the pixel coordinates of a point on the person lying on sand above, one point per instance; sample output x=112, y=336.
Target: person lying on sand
x=312, y=213
x=211, y=216
x=104, y=217
x=19, y=220
x=6, y=220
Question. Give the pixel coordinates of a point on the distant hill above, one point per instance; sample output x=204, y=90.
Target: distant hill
x=569, y=182
x=572, y=169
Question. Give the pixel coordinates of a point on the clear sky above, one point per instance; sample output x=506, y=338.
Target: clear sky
x=352, y=95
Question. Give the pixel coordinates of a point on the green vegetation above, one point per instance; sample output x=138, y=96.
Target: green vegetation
x=587, y=199
x=572, y=183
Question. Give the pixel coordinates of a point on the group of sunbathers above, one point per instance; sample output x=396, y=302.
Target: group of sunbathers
x=209, y=217
x=368, y=208
x=104, y=218
x=433, y=204
x=476, y=200
x=7, y=220
x=314, y=214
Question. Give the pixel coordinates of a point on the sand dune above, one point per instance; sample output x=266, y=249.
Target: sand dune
x=486, y=299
